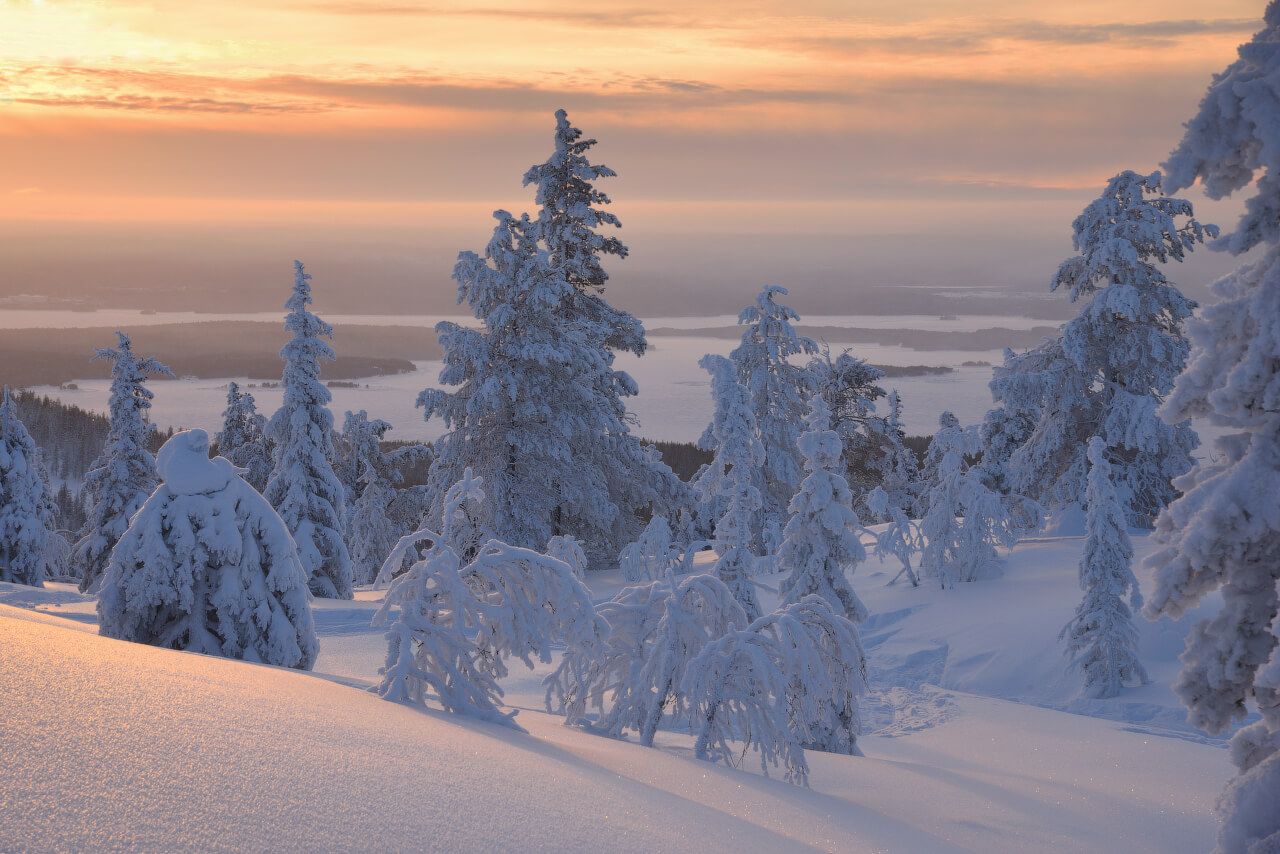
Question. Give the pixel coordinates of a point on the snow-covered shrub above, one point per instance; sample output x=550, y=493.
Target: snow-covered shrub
x=207, y=566
x=901, y=536
x=652, y=556
x=459, y=623
x=243, y=438
x=633, y=678
x=30, y=545
x=1223, y=534
x=821, y=541
x=303, y=488
x=789, y=680
x=569, y=551
x=1101, y=639
x=122, y=477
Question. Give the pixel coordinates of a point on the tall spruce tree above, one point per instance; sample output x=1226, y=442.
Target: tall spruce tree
x=27, y=510
x=303, y=488
x=1115, y=361
x=122, y=477
x=1223, y=534
x=538, y=407
x=1101, y=639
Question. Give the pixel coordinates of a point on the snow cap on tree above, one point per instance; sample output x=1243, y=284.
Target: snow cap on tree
x=303, y=488
x=28, y=547
x=207, y=566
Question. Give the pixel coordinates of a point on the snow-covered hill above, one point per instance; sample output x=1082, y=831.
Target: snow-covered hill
x=112, y=746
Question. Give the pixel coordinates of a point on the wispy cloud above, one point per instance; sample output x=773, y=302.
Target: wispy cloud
x=577, y=17
x=988, y=36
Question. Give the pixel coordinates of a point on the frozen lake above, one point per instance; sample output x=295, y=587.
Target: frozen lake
x=674, y=401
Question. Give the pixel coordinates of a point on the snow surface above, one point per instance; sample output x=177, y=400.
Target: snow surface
x=110, y=746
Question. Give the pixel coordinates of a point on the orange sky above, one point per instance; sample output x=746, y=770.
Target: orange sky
x=723, y=116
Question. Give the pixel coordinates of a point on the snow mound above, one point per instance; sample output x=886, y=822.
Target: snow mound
x=185, y=467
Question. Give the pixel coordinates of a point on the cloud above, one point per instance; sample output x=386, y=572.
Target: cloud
x=986, y=37
x=152, y=103
x=578, y=17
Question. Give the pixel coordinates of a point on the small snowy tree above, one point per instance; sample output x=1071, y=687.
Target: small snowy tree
x=459, y=623
x=1223, y=534
x=303, y=488
x=821, y=541
x=30, y=544
x=652, y=556
x=899, y=468
x=777, y=391
x=122, y=477
x=964, y=549
x=731, y=485
x=849, y=387
x=243, y=439
x=1101, y=639
x=207, y=566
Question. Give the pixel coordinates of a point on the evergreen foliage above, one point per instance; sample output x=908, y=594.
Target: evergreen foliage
x=124, y=474
x=303, y=488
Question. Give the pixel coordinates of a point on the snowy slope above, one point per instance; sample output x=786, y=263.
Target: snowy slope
x=113, y=746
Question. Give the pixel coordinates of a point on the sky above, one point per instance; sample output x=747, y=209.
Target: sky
x=182, y=154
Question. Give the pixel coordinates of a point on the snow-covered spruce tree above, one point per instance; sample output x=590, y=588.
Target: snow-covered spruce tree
x=207, y=566
x=849, y=387
x=960, y=550
x=1101, y=639
x=821, y=541
x=1127, y=344
x=1223, y=534
x=369, y=477
x=899, y=468
x=243, y=438
x=778, y=391
x=788, y=681
x=536, y=408
x=122, y=477
x=303, y=488
x=635, y=483
x=28, y=532
x=731, y=485
x=459, y=623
